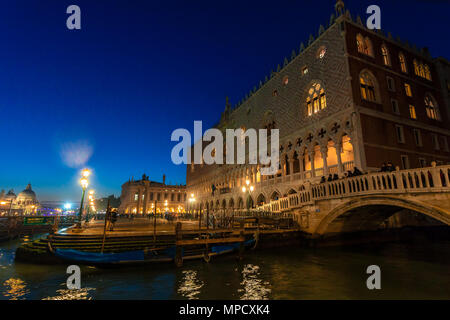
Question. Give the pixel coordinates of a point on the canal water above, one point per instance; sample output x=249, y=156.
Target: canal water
x=413, y=270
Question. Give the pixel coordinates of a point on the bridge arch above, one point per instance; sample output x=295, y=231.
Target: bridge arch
x=395, y=204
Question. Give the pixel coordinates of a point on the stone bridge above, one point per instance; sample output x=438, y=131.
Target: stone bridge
x=365, y=202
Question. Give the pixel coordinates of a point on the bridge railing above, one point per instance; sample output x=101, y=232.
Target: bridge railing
x=400, y=181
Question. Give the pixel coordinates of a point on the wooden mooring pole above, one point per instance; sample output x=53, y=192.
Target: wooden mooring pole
x=104, y=227
x=241, y=245
x=154, y=226
x=178, y=248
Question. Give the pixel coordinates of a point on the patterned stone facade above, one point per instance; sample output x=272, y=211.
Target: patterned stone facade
x=338, y=134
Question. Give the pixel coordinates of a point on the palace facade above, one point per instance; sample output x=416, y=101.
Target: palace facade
x=140, y=197
x=349, y=97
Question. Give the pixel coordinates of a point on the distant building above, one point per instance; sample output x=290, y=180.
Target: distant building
x=24, y=203
x=139, y=196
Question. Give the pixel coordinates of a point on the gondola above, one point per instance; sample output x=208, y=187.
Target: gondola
x=136, y=257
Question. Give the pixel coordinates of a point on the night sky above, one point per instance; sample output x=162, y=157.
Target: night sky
x=137, y=70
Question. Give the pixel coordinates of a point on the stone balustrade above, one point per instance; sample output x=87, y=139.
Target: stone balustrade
x=420, y=180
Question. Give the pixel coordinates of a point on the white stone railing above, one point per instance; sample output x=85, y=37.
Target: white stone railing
x=400, y=181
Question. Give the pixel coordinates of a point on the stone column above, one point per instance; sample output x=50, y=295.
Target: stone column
x=145, y=201
x=324, y=153
x=338, y=147
x=291, y=166
x=138, y=207
x=301, y=166
x=283, y=166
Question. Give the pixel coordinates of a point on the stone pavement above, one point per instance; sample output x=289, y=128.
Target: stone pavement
x=131, y=227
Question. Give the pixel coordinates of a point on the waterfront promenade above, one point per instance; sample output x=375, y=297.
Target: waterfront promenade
x=131, y=227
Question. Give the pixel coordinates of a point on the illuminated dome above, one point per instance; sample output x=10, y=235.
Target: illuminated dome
x=27, y=195
x=10, y=195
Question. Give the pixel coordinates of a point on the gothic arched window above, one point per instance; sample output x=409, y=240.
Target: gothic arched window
x=432, y=108
x=367, y=85
x=422, y=70
x=385, y=55
x=402, y=60
x=364, y=45
x=316, y=99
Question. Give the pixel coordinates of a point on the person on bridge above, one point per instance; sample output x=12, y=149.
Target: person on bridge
x=322, y=180
x=330, y=177
x=390, y=167
x=356, y=172
x=113, y=219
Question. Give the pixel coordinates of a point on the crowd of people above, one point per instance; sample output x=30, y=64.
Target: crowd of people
x=348, y=174
x=389, y=167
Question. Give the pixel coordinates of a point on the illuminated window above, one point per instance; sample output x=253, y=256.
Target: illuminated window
x=422, y=70
x=416, y=67
x=275, y=93
x=408, y=90
x=136, y=197
x=432, y=108
x=385, y=55
x=402, y=60
x=367, y=87
x=304, y=70
x=242, y=134
x=412, y=112
x=321, y=52
x=285, y=81
x=364, y=45
x=316, y=99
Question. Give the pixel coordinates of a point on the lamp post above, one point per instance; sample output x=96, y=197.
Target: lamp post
x=84, y=184
x=91, y=204
x=192, y=200
x=247, y=191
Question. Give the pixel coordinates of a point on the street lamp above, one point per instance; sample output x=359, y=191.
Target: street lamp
x=192, y=200
x=91, y=204
x=248, y=189
x=84, y=184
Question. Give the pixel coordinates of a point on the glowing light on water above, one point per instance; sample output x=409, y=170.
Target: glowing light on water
x=190, y=285
x=15, y=288
x=76, y=154
x=70, y=294
x=254, y=287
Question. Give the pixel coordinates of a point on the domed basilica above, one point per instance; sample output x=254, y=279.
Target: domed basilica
x=24, y=203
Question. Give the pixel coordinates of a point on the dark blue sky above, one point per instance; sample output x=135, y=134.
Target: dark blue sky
x=138, y=69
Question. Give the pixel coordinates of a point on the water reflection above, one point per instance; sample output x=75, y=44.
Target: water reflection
x=72, y=294
x=190, y=285
x=15, y=288
x=254, y=288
